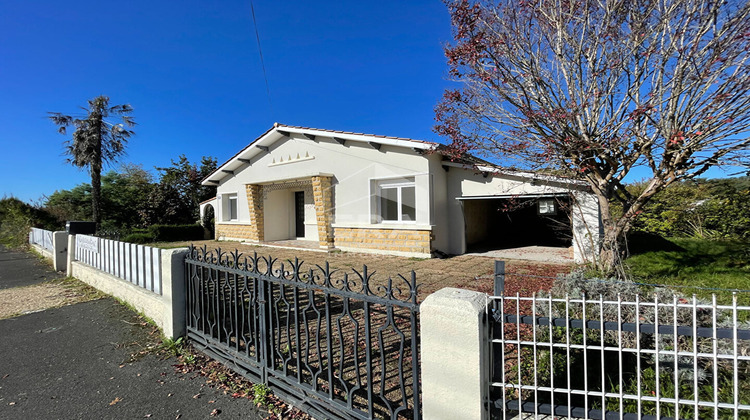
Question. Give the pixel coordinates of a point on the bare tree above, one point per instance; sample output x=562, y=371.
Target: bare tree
x=599, y=88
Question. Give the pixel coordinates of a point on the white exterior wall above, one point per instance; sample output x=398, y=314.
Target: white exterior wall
x=587, y=227
x=354, y=166
x=441, y=206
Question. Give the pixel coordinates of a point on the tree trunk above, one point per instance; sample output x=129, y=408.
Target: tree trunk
x=611, y=252
x=96, y=192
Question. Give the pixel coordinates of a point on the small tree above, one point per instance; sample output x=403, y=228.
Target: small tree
x=598, y=88
x=97, y=140
x=176, y=198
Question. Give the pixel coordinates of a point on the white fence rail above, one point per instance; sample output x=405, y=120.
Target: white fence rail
x=645, y=357
x=138, y=264
x=42, y=238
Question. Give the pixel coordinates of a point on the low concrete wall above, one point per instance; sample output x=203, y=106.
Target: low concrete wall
x=44, y=252
x=167, y=310
x=454, y=351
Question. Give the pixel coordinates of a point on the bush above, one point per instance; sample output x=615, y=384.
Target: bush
x=17, y=217
x=139, y=238
x=172, y=233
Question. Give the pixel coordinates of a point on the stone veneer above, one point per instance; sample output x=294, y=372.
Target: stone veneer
x=323, y=209
x=255, y=207
x=234, y=231
x=388, y=240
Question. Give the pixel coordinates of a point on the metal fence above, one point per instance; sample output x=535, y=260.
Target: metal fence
x=138, y=264
x=662, y=356
x=42, y=238
x=338, y=346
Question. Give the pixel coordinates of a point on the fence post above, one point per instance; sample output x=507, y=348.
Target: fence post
x=499, y=277
x=60, y=250
x=71, y=255
x=455, y=380
x=173, y=291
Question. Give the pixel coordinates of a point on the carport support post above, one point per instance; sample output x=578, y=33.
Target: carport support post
x=71, y=255
x=455, y=380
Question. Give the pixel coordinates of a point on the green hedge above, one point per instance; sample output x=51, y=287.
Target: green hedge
x=139, y=238
x=166, y=233
x=171, y=233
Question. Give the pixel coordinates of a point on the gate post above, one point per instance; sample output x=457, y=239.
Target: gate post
x=173, y=291
x=455, y=380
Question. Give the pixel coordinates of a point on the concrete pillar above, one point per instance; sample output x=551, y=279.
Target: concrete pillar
x=71, y=255
x=323, y=199
x=60, y=247
x=255, y=207
x=455, y=373
x=173, y=291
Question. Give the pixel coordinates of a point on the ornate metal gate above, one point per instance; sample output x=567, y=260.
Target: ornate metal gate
x=336, y=345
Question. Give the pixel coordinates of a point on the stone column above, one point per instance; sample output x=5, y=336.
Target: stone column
x=322, y=195
x=255, y=206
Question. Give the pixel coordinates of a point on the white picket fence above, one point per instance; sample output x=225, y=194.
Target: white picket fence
x=42, y=238
x=137, y=264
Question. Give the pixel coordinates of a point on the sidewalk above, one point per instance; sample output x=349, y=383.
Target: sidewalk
x=74, y=362
x=23, y=269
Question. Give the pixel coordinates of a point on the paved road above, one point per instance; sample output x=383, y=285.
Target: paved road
x=22, y=269
x=71, y=363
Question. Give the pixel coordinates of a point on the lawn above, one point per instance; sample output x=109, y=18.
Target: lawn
x=695, y=264
x=464, y=271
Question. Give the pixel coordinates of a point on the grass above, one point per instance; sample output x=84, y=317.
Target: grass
x=697, y=264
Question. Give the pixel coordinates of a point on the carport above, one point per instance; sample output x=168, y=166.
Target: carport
x=513, y=221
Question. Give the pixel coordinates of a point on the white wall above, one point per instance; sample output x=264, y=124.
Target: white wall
x=276, y=208
x=587, y=227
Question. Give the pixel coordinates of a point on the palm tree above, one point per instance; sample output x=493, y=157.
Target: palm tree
x=99, y=138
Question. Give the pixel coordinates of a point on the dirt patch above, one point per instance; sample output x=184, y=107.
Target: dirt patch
x=22, y=300
x=471, y=272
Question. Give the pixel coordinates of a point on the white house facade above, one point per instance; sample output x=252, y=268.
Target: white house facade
x=378, y=194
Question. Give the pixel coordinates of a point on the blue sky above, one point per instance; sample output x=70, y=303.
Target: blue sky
x=192, y=72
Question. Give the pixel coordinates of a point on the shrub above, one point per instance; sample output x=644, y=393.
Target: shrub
x=139, y=238
x=17, y=217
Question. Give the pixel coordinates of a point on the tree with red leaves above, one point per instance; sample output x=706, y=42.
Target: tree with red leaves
x=600, y=88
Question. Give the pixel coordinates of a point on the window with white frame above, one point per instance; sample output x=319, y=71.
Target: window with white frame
x=396, y=200
x=547, y=206
x=230, y=207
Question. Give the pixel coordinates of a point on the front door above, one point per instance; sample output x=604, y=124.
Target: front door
x=299, y=213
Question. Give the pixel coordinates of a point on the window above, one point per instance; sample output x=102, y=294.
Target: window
x=233, y=207
x=229, y=204
x=547, y=206
x=396, y=201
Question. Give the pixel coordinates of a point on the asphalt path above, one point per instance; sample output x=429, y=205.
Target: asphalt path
x=74, y=363
x=23, y=269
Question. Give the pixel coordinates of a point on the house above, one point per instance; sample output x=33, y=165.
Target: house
x=391, y=195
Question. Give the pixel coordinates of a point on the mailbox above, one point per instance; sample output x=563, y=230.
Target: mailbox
x=83, y=228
